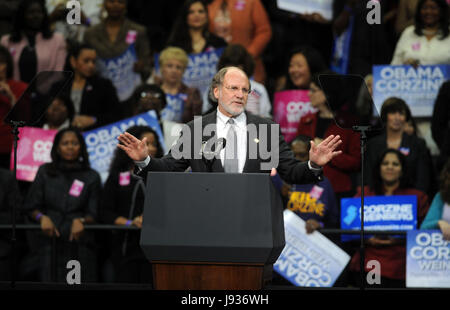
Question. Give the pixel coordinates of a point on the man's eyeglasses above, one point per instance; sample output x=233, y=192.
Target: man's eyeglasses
x=234, y=89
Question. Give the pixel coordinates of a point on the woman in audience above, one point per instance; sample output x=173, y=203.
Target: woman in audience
x=118, y=39
x=190, y=30
x=94, y=97
x=63, y=198
x=10, y=92
x=427, y=42
x=390, y=178
x=303, y=63
x=321, y=125
x=258, y=101
x=33, y=46
x=438, y=217
x=243, y=22
x=395, y=113
x=60, y=113
x=183, y=102
x=123, y=204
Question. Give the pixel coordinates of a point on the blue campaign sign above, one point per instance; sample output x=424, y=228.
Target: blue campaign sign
x=417, y=86
x=380, y=213
x=308, y=260
x=173, y=111
x=102, y=142
x=120, y=71
x=427, y=259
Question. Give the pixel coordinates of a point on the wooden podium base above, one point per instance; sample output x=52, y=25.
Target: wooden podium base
x=209, y=276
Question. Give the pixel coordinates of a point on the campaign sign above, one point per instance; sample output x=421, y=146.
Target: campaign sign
x=380, y=213
x=120, y=71
x=427, y=259
x=102, y=142
x=323, y=7
x=173, y=111
x=200, y=70
x=308, y=260
x=417, y=86
x=33, y=150
x=289, y=106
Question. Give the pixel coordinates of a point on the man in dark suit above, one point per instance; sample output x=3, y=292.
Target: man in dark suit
x=247, y=148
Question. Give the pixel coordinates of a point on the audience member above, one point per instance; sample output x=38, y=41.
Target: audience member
x=321, y=125
x=438, y=216
x=394, y=113
x=314, y=203
x=122, y=47
x=389, y=178
x=427, y=42
x=63, y=198
x=122, y=204
x=243, y=22
x=190, y=30
x=94, y=97
x=303, y=62
x=33, y=46
x=258, y=101
x=440, y=125
x=60, y=113
x=147, y=97
x=10, y=91
x=151, y=97
x=183, y=102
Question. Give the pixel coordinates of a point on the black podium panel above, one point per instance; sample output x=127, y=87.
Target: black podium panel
x=212, y=217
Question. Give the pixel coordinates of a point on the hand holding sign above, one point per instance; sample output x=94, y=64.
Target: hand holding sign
x=136, y=149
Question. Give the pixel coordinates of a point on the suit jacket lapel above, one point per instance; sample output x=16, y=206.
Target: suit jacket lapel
x=211, y=119
x=251, y=165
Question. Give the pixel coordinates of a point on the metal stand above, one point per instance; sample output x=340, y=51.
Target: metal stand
x=362, y=130
x=15, y=126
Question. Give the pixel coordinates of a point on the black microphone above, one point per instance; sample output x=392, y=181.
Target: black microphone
x=211, y=150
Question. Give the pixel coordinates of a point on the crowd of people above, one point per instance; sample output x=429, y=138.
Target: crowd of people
x=280, y=50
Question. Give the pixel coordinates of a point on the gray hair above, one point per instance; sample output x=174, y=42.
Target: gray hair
x=218, y=80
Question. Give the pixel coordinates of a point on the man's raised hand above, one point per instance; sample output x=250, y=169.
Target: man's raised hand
x=135, y=148
x=324, y=152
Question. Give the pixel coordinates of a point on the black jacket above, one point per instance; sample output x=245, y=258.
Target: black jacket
x=50, y=195
x=100, y=100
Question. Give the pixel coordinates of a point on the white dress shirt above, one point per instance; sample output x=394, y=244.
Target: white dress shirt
x=432, y=52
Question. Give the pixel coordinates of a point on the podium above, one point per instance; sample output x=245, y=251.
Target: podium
x=211, y=231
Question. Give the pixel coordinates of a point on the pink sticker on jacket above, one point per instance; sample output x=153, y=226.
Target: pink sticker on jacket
x=415, y=46
x=131, y=36
x=76, y=188
x=124, y=178
x=316, y=192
